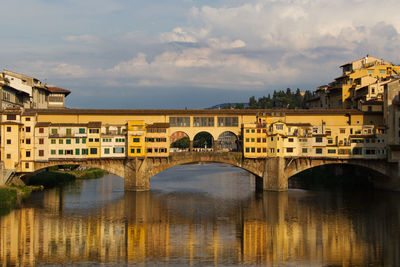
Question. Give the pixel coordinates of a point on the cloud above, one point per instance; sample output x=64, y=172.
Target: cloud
x=84, y=38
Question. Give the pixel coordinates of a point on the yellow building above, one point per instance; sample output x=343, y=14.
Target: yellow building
x=157, y=140
x=136, y=138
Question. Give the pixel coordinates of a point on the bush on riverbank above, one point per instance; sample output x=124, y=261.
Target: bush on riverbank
x=51, y=179
x=12, y=196
x=91, y=173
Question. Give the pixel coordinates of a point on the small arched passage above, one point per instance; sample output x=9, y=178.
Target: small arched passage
x=203, y=141
x=179, y=141
x=228, y=141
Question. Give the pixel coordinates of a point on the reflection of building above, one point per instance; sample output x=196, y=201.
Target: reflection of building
x=146, y=228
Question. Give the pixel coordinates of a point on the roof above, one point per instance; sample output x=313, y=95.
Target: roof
x=158, y=125
x=14, y=111
x=298, y=124
x=29, y=113
x=189, y=112
x=57, y=90
x=43, y=124
x=94, y=124
x=11, y=123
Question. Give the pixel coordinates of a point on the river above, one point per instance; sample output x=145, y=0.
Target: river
x=201, y=215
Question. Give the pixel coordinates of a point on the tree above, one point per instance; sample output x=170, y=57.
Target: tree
x=184, y=142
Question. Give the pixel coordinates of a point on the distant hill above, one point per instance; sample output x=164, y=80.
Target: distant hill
x=229, y=105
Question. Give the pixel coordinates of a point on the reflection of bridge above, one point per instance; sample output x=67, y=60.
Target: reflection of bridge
x=272, y=228
x=271, y=173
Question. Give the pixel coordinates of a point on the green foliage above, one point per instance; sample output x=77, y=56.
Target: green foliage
x=51, y=179
x=91, y=173
x=281, y=99
x=184, y=142
x=8, y=197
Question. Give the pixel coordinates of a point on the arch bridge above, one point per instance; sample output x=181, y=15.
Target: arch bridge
x=271, y=173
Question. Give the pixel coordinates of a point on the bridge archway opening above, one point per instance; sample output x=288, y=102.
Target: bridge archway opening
x=228, y=141
x=179, y=141
x=339, y=176
x=206, y=177
x=203, y=141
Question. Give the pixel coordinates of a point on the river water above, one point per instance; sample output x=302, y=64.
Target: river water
x=201, y=215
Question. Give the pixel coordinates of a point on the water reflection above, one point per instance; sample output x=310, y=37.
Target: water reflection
x=95, y=222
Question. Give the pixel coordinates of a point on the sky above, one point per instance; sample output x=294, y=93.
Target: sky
x=191, y=53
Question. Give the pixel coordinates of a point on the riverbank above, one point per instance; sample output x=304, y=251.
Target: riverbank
x=11, y=196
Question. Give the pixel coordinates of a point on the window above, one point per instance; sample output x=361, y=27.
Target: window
x=264, y=150
x=258, y=140
x=253, y=150
x=68, y=141
x=69, y=152
x=8, y=129
x=247, y=130
x=28, y=141
x=342, y=131
x=289, y=150
x=264, y=140
x=83, y=140
x=68, y=131
x=76, y=151
x=318, y=150
x=179, y=121
x=60, y=152
x=252, y=140
x=331, y=151
x=93, y=151
x=106, y=151
x=90, y=140
x=228, y=122
x=290, y=140
x=27, y=165
x=97, y=140
x=76, y=140
x=279, y=127
x=138, y=150
x=53, y=141
x=9, y=156
x=253, y=131
x=304, y=150
x=136, y=140
x=8, y=141
x=81, y=130
x=94, y=131
x=118, y=150
x=203, y=122
x=60, y=141
x=41, y=153
x=27, y=119
x=330, y=141
x=149, y=150
x=247, y=150
x=54, y=131
x=84, y=151
x=28, y=153
x=53, y=152
x=41, y=141
x=258, y=130
x=132, y=150
x=11, y=117
x=258, y=150
x=41, y=130
x=28, y=129
x=318, y=139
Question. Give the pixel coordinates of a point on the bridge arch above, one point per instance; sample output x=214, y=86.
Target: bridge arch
x=113, y=166
x=203, y=140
